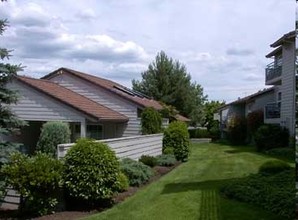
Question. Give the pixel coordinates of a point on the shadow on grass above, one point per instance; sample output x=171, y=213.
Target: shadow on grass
x=252, y=149
x=193, y=186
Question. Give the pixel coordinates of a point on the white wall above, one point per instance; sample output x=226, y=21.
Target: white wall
x=131, y=147
x=105, y=98
x=288, y=87
x=36, y=106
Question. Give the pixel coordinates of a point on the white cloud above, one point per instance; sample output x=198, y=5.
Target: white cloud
x=222, y=43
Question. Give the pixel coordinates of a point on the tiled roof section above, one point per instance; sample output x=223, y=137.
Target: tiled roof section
x=182, y=118
x=74, y=100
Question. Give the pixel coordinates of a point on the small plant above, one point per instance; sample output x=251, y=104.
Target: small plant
x=274, y=166
x=52, y=134
x=91, y=171
x=148, y=160
x=166, y=160
x=176, y=136
x=123, y=182
x=37, y=179
x=137, y=172
x=151, y=121
x=271, y=136
x=168, y=150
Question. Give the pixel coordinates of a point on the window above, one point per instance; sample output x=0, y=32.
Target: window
x=94, y=132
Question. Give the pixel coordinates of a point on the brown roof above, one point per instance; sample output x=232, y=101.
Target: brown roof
x=75, y=100
x=111, y=86
x=116, y=88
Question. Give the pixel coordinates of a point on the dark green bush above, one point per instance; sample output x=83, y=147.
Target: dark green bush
x=166, y=160
x=151, y=121
x=137, y=172
x=91, y=171
x=37, y=179
x=52, y=134
x=274, y=193
x=236, y=130
x=176, y=136
x=148, y=160
x=274, y=166
x=199, y=133
x=271, y=136
x=123, y=182
x=284, y=152
x=215, y=131
x=255, y=120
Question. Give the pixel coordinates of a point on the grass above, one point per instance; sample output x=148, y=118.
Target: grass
x=192, y=190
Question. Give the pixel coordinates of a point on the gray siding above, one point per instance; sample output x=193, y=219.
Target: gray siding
x=288, y=87
x=36, y=106
x=131, y=147
x=259, y=102
x=105, y=98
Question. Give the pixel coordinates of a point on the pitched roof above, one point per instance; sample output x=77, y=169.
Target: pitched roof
x=135, y=97
x=248, y=98
x=111, y=86
x=286, y=37
x=75, y=100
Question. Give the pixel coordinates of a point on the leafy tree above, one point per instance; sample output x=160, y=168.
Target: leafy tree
x=9, y=123
x=167, y=81
x=210, y=108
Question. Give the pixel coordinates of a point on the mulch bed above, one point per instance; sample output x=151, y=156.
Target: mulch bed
x=70, y=215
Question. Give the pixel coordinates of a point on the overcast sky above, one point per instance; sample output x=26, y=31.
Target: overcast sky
x=223, y=43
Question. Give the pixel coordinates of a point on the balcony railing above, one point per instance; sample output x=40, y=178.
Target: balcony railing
x=272, y=110
x=273, y=70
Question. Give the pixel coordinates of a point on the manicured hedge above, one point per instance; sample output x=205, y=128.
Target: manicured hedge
x=271, y=136
x=274, y=193
x=38, y=179
x=91, y=171
x=176, y=137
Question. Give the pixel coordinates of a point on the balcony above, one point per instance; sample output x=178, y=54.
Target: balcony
x=273, y=73
x=272, y=110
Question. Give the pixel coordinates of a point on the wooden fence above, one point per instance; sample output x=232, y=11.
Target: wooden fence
x=132, y=147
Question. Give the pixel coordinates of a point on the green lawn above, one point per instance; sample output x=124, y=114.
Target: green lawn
x=191, y=190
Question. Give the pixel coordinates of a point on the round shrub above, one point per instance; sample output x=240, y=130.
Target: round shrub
x=52, y=134
x=271, y=136
x=148, y=160
x=91, y=171
x=123, y=182
x=274, y=166
x=37, y=178
x=137, y=172
x=176, y=136
x=166, y=160
x=151, y=121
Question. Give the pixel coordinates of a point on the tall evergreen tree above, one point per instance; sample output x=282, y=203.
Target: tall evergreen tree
x=9, y=123
x=167, y=80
